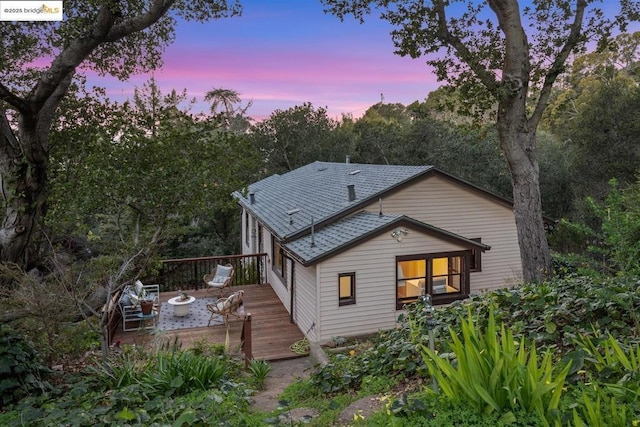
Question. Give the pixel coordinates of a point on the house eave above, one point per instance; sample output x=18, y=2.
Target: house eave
x=401, y=221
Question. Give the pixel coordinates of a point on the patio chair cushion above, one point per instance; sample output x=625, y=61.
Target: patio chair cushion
x=138, y=287
x=218, y=280
x=222, y=273
x=128, y=297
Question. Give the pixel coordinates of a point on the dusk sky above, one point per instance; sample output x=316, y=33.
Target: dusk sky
x=282, y=53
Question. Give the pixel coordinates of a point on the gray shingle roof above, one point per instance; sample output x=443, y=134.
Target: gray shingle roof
x=318, y=191
x=353, y=229
x=339, y=234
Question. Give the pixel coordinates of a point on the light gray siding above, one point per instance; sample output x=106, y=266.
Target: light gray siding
x=374, y=263
x=272, y=277
x=305, y=300
x=243, y=238
x=456, y=208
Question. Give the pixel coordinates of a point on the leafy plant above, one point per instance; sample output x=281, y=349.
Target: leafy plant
x=259, y=369
x=618, y=367
x=492, y=372
x=178, y=373
x=21, y=371
x=428, y=410
x=593, y=414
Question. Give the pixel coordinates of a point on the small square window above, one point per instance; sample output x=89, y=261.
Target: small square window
x=346, y=288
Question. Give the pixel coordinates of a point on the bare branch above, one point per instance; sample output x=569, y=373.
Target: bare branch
x=13, y=100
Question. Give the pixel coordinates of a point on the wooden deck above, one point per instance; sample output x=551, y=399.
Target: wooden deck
x=272, y=332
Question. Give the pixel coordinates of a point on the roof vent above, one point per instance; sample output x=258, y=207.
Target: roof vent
x=348, y=159
x=355, y=172
x=290, y=213
x=252, y=198
x=351, y=192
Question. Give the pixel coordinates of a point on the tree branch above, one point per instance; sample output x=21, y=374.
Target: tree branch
x=462, y=51
x=104, y=29
x=13, y=100
x=558, y=64
x=137, y=23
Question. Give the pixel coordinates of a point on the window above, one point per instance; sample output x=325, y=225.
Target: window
x=246, y=227
x=474, y=263
x=346, y=288
x=443, y=276
x=279, y=260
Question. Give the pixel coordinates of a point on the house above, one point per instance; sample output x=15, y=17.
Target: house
x=348, y=245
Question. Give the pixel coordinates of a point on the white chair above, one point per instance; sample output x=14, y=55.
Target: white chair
x=220, y=278
x=130, y=306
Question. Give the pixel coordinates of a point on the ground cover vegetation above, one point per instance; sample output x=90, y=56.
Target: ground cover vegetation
x=129, y=184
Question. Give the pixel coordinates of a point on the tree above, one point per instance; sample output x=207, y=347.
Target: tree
x=223, y=107
x=127, y=170
x=498, y=54
x=118, y=38
x=294, y=137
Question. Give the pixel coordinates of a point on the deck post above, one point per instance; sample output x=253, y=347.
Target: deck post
x=245, y=337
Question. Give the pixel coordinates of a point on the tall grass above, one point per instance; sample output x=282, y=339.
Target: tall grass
x=492, y=372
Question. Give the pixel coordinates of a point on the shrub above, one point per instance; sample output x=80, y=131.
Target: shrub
x=492, y=372
x=21, y=370
x=259, y=369
x=428, y=410
x=178, y=373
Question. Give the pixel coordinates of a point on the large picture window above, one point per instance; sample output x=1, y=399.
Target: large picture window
x=444, y=276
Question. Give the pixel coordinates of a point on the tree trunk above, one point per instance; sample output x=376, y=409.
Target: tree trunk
x=518, y=143
x=23, y=176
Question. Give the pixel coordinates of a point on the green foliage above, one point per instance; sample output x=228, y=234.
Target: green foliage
x=620, y=216
x=247, y=273
x=179, y=373
x=428, y=410
x=168, y=373
x=554, y=313
x=294, y=137
x=616, y=366
x=595, y=414
x=492, y=372
x=175, y=388
x=259, y=369
x=131, y=150
x=21, y=370
x=391, y=355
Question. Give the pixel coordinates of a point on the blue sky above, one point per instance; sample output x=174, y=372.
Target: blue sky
x=282, y=53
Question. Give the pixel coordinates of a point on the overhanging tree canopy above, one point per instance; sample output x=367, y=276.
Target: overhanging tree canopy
x=38, y=61
x=501, y=53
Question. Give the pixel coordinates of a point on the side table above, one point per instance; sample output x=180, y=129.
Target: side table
x=181, y=306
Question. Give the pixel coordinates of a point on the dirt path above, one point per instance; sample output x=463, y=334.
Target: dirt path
x=282, y=374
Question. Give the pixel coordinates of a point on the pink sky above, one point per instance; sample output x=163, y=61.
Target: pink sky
x=283, y=53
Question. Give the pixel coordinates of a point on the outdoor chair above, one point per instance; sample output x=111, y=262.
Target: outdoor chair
x=231, y=305
x=130, y=304
x=220, y=278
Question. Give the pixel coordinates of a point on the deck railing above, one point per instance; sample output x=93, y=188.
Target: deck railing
x=187, y=273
